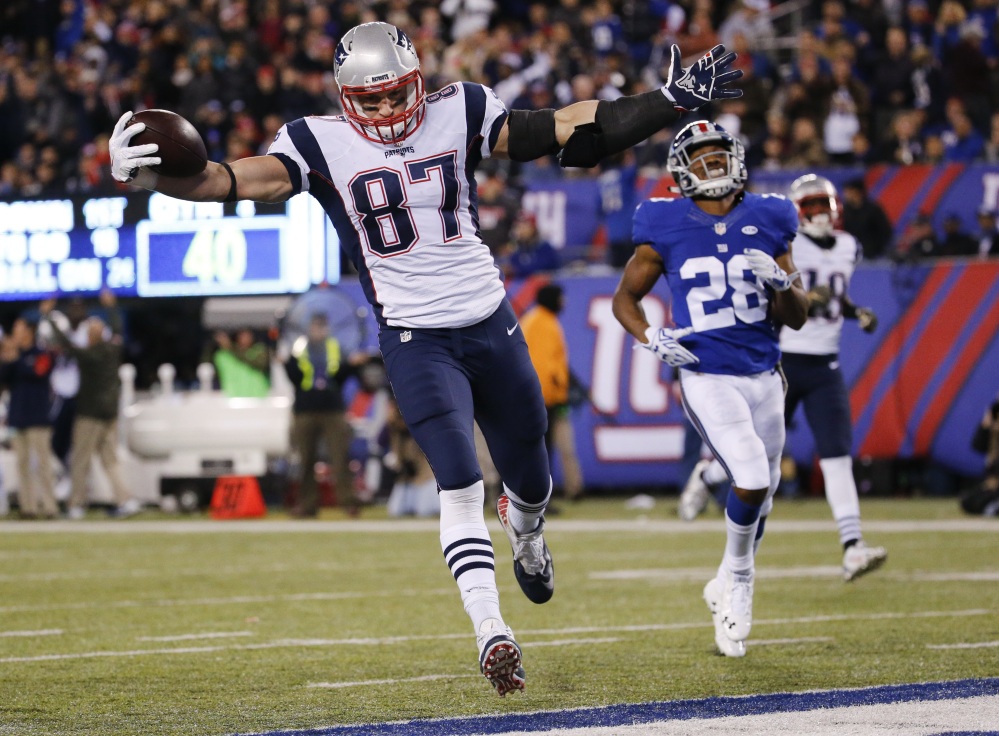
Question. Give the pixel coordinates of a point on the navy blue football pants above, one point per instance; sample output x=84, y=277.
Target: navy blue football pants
x=443, y=378
x=816, y=381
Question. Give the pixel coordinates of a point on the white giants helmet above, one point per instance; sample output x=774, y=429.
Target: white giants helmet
x=375, y=59
x=818, y=204
x=690, y=168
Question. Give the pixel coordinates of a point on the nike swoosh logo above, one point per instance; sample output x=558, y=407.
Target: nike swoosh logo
x=511, y=330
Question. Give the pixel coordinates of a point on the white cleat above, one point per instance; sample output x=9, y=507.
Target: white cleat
x=713, y=596
x=859, y=559
x=696, y=494
x=499, y=657
x=737, y=605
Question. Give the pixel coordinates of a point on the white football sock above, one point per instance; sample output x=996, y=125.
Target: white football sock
x=468, y=551
x=841, y=493
x=739, y=544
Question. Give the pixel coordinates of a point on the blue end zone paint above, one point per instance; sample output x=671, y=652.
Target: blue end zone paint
x=679, y=710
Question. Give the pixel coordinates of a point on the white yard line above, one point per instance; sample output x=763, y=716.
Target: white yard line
x=978, y=645
x=190, y=637
x=569, y=642
x=41, y=632
x=800, y=640
x=383, y=641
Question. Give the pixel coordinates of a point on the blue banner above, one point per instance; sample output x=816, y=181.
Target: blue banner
x=918, y=385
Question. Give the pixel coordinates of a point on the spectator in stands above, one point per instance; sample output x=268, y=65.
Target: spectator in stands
x=866, y=220
x=546, y=343
x=529, y=253
x=317, y=369
x=961, y=141
x=927, y=85
x=95, y=430
x=806, y=150
x=25, y=370
x=919, y=23
x=956, y=242
x=933, y=150
x=243, y=365
x=967, y=72
x=985, y=499
x=991, y=148
x=751, y=18
x=414, y=492
x=891, y=85
x=918, y=240
x=904, y=145
x=699, y=34
x=988, y=234
x=847, y=111
x=616, y=183
x=65, y=379
x=498, y=206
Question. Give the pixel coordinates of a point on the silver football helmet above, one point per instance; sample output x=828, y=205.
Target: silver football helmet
x=707, y=174
x=374, y=61
x=818, y=204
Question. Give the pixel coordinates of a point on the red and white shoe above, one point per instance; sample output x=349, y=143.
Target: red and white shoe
x=532, y=562
x=499, y=657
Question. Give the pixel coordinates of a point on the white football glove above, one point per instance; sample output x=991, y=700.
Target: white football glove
x=663, y=343
x=766, y=268
x=126, y=160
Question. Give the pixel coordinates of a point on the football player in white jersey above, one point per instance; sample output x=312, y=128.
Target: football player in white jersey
x=726, y=255
x=827, y=258
x=395, y=175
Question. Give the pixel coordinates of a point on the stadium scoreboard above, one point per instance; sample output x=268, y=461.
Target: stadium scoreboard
x=152, y=245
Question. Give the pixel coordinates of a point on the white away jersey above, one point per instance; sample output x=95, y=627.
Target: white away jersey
x=832, y=267
x=406, y=214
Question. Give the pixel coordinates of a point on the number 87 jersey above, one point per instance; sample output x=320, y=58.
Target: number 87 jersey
x=405, y=213
x=713, y=287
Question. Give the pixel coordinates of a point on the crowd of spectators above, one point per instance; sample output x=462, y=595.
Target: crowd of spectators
x=835, y=82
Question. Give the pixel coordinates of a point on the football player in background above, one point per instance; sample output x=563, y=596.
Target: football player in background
x=395, y=175
x=726, y=256
x=827, y=258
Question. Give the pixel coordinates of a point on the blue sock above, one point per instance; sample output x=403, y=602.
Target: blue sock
x=741, y=512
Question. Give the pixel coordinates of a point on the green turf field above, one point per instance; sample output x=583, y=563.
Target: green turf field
x=176, y=625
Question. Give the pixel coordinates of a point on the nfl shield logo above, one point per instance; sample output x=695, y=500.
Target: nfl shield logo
x=405, y=336
x=720, y=228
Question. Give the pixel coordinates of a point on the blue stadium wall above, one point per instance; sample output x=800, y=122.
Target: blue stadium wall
x=918, y=386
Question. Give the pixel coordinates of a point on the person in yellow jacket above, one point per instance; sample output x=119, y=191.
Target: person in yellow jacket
x=546, y=343
x=317, y=369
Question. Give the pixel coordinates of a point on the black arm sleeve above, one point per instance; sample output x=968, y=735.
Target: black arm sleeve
x=531, y=134
x=619, y=124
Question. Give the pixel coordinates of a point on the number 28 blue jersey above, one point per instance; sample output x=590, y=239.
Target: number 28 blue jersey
x=714, y=289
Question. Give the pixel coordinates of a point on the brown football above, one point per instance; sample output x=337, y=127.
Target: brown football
x=181, y=148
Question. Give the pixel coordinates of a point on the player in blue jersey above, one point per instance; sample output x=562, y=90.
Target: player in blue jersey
x=726, y=256
x=395, y=174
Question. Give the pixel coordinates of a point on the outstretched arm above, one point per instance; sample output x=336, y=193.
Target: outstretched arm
x=640, y=275
x=260, y=178
x=585, y=132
